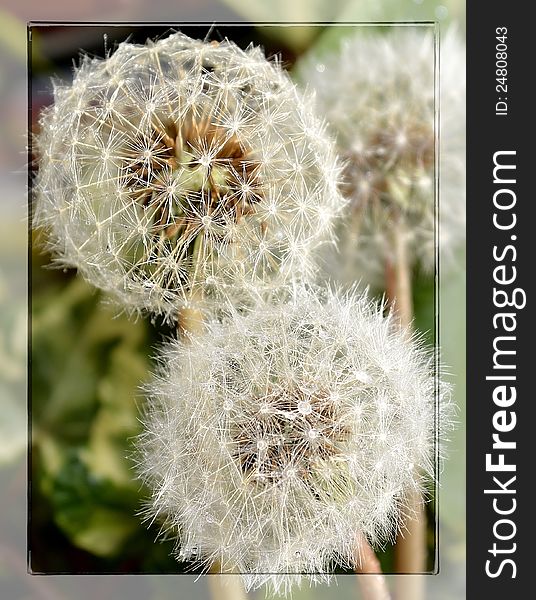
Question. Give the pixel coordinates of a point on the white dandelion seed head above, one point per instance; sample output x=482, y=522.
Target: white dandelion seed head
x=274, y=438
x=179, y=163
x=378, y=94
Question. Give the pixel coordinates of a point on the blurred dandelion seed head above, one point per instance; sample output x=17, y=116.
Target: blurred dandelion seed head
x=178, y=166
x=271, y=440
x=378, y=94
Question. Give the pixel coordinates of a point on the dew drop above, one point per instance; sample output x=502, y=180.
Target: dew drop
x=362, y=377
x=304, y=407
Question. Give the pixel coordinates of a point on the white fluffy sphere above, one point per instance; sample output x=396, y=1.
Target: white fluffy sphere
x=274, y=439
x=176, y=168
x=380, y=97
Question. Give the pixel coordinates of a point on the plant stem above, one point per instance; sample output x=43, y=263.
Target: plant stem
x=190, y=318
x=373, y=586
x=410, y=553
x=410, y=549
x=226, y=586
x=221, y=586
x=398, y=279
x=189, y=322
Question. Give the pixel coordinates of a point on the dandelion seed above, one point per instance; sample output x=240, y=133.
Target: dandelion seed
x=188, y=156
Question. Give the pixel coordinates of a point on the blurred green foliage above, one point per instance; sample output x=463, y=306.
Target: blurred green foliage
x=87, y=366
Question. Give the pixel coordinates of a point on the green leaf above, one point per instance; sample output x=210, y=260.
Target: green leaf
x=116, y=421
x=97, y=515
x=87, y=366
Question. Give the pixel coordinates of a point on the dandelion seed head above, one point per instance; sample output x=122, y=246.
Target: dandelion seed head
x=378, y=93
x=187, y=154
x=315, y=448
